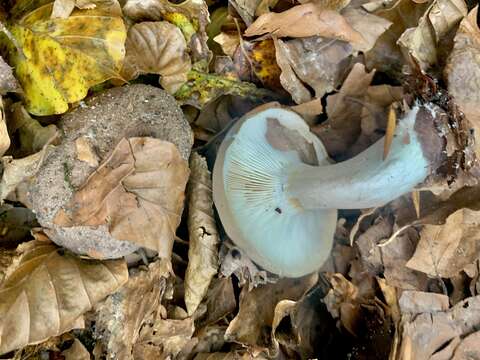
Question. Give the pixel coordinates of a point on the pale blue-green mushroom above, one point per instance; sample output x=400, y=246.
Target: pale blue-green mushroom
x=282, y=212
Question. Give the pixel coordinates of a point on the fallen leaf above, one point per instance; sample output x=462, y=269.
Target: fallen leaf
x=203, y=235
x=138, y=191
x=46, y=290
x=344, y=111
x=305, y=20
x=15, y=171
x=193, y=11
x=220, y=300
x=386, y=55
x=15, y=225
x=422, y=41
x=8, y=83
x=74, y=57
x=229, y=42
x=426, y=334
x=120, y=317
x=157, y=48
x=246, y=9
x=462, y=71
x=29, y=134
x=264, y=64
x=86, y=152
x=254, y=330
x=76, y=352
x=318, y=62
x=4, y=137
x=444, y=250
x=62, y=9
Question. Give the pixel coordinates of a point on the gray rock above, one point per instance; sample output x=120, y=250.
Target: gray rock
x=135, y=110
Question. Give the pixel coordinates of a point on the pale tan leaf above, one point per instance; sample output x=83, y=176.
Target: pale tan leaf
x=196, y=12
x=444, y=250
x=228, y=41
x=121, y=316
x=86, y=152
x=386, y=55
x=203, y=235
x=46, y=290
x=318, y=62
x=4, y=137
x=257, y=309
x=157, y=48
x=246, y=9
x=422, y=41
x=305, y=20
x=62, y=9
x=15, y=171
x=463, y=71
x=76, y=352
x=137, y=192
x=31, y=135
x=8, y=83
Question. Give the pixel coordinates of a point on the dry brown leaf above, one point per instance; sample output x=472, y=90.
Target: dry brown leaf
x=416, y=302
x=157, y=48
x=230, y=356
x=86, y=152
x=46, y=290
x=257, y=309
x=305, y=20
x=4, y=137
x=228, y=41
x=138, y=192
x=220, y=300
x=76, y=352
x=246, y=9
x=386, y=55
x=15, y=225
x=444, y=250
x=16, y=171
x=30, y=134
x=344, y=110
x=196, y=11
x=63, y=8
x=463, y=71
x=422, y=41
x=318, y=62
x=8, y=83
x=121, y=316
x=203, y=235
x=428, y=333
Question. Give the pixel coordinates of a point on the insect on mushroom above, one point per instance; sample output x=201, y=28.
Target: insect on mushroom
x=281, y=209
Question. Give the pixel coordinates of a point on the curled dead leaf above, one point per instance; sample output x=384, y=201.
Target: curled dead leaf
x=157, y=48
x=137, y=192
x=8, y=83
x=46, y=290
x=203, y=235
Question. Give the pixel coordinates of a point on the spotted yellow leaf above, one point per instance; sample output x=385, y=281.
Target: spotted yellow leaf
x=58, y=60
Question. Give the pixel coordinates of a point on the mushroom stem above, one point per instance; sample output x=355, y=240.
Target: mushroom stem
x=365, y=180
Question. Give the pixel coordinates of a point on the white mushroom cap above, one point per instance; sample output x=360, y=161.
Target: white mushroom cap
x=248, y=180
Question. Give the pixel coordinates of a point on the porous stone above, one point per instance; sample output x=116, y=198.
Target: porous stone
x=129, y=111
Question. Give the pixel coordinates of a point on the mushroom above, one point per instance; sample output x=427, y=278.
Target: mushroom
x=277, y=193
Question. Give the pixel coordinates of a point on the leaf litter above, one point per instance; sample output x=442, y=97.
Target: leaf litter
x=402, y=280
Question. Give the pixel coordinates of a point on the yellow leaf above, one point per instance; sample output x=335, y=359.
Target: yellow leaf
x=60, y=59
x=45, y=291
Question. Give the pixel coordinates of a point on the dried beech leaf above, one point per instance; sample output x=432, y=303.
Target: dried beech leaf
x=46, y=290
x=305, y=20
x=386, y=55
x=15, y=171
x=121, y=316
x=444, y=250
x=138, y=192
x=318, y=62
x=427, y=333
x=86, y=152
x=76, y=352
x=31, y=135
x=8, y=83
x=203, y=235
x=257, y=309
x=194, y=11
x=4, y=137
x=440, y=18
x=463, y=71
x=157, y=48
